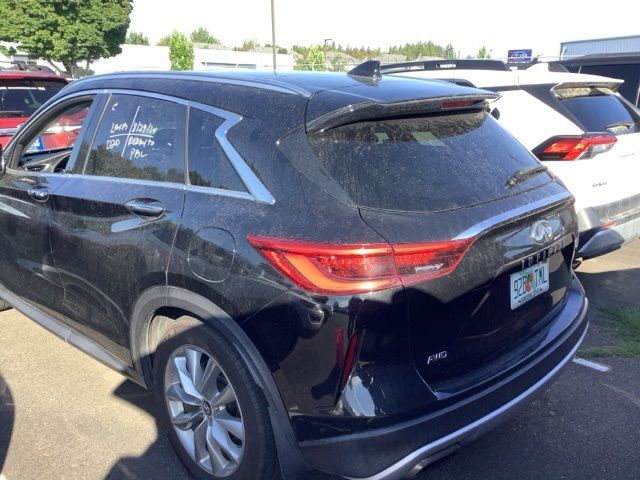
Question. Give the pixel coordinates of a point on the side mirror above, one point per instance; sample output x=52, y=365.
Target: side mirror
x=2, y=164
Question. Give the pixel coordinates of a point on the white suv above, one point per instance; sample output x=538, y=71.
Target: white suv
x=577, y=125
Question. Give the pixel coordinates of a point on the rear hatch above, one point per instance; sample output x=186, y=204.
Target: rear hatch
x=608, y=173
x=456, y=174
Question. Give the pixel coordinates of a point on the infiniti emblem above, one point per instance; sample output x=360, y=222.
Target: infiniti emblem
x=541, y=231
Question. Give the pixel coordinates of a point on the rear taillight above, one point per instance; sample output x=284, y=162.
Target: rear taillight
x=351, y=269
x=575, y=147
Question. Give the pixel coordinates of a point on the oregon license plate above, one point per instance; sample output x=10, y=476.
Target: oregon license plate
x=529, y=283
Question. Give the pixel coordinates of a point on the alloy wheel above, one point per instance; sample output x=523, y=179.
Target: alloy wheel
x=204, y=410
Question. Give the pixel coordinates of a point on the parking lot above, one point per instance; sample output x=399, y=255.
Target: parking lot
x=63, y=416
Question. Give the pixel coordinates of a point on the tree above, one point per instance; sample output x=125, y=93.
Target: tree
x=164, y=41
x=202, y=35
x=483, y=52
x=136, y=38
x=66, y=31
x=413, y=51
x=180, y=52
x=248, y=46
x=310, y=58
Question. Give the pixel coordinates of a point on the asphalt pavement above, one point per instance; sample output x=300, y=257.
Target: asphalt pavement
x=65, y=416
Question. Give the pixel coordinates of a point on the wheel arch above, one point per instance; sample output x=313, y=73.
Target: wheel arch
x=165, y=298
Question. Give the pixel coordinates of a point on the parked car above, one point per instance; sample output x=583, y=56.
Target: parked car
x=312, y=270
x=578, y=126
x=625, y=66
x=22, y=92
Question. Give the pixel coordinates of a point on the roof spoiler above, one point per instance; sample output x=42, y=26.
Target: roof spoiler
x=377, y=110
x=610, y=83
x=497, y=65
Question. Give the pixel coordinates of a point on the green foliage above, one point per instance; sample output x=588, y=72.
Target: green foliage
x=66, y=31
x=136, y=38
x=202, y=35
x=414, y=51
x=624, y=326
x=359, y=53
x=7, y=51
x=180, y=52
x=164, y=41
x=248, y=46
x=282, y=50
x=312, y=58
x=483, y=52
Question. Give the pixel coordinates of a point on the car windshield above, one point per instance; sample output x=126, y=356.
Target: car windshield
x=21, y=98
x=426, y=163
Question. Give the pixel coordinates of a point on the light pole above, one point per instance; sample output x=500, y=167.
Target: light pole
x=273, y=34
x=324, y=50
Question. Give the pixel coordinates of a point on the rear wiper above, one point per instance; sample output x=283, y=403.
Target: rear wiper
x=522, y=175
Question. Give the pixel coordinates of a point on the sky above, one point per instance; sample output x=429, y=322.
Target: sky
x=540, y=25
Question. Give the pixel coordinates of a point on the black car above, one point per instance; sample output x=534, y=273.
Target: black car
x=313, y=271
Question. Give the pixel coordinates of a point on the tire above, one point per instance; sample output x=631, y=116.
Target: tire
x=203, y=423
x=4, y=306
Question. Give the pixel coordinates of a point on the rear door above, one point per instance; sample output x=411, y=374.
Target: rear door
x=115, y=219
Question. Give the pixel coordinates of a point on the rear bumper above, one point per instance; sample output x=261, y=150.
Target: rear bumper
x=596, y=240
x=404, y=449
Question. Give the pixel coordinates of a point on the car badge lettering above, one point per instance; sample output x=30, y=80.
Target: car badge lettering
x=436, y=357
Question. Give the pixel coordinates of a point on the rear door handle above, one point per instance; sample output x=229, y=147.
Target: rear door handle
x=146, y=207
x=39, y=193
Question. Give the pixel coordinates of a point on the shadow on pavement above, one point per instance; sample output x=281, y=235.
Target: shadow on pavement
x=7, y=412
x=159, y=461
x=614, y=288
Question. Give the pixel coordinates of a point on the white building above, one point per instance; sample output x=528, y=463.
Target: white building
x=143, y=57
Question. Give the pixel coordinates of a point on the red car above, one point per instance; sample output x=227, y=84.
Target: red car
x=21, y=94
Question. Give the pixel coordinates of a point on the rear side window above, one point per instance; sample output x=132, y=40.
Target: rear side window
x=209, y=166
x=598, y=109
x=429, y=163
x=139, y=138
x=21, y=98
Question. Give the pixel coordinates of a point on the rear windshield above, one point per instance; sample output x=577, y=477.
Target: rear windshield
x=21, y=98
x=598, y=109
x=428, y=163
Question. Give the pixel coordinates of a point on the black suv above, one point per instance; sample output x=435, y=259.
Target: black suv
x=313, y=271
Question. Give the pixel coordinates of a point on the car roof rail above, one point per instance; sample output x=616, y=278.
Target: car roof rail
x=17, y=65
x=461, y=64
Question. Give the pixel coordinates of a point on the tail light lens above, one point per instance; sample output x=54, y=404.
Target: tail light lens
x=351, y=269
x=575, y=147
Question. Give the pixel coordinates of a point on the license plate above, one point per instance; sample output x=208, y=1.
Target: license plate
x=529, y=283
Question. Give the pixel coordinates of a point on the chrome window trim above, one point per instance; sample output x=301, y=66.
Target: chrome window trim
x=150, y=183
x=257, y=191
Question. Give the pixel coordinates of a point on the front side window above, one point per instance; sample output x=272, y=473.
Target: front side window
x=60, y=132
x=47, y=145
x=139, y=138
